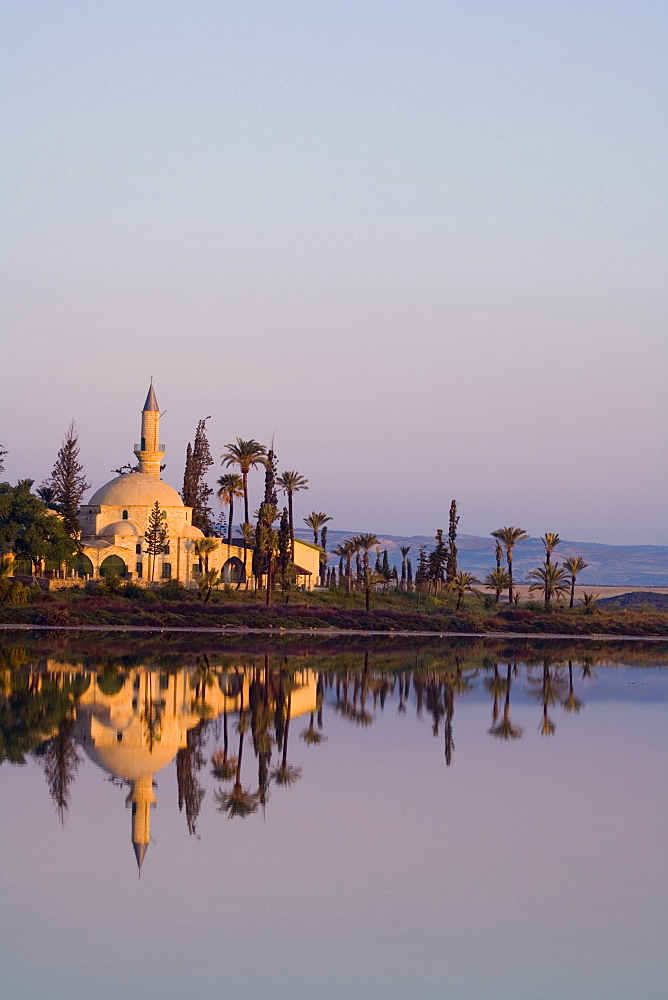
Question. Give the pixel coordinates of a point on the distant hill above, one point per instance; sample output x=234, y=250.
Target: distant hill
x=637, y=599
x=608, y=565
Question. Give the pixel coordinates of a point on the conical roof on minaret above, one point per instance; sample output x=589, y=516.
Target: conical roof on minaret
x=151, y=402
x=140, y=853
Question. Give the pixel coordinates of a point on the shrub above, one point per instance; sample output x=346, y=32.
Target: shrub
x=172, y=590
x=13, y=592
x=110, y=584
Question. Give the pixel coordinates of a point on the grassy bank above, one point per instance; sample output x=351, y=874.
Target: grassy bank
x=393, y=611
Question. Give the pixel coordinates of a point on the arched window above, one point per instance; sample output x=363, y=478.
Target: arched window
x=125, y=515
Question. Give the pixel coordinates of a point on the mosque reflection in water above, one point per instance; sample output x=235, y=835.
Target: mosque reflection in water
x=133, y=722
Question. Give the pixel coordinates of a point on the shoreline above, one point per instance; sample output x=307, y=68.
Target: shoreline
x=332, y=632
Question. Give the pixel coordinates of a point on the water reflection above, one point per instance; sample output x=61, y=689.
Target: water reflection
x=235, y=718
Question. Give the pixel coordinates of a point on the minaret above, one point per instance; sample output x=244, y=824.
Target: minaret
x=150, y=452
x=142, y=798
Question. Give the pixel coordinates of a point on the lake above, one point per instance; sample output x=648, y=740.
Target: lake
x=452, y=819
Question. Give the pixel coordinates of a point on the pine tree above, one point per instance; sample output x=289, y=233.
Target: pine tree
x=156, y=536
x=68, y=481
x=196, y=492
x=422, y=573
x=3, y=452
x=451, y=571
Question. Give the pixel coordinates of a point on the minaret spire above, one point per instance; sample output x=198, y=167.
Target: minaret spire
x=149, y=451
x=142, y=798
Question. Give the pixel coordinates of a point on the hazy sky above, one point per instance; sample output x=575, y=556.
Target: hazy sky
x=424, y=243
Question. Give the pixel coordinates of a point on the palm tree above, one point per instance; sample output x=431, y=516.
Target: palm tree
x=247, y=534
x=551, y=579
x=247, y=455
x=404, y=549
x=548, y=689
x=240, y=801
x=290, y=483
x=346, y=550
x=369, y=581
x=231, y=488
x=496, y=686
x=311, y=736
x=574, y=565
x=571, y=703
x=498, y=580
x=505, y=730
x=47, y=494
x=462, y=583
x=203, y=548
x=286, y=774
x=589, y=599
x=366, y=542
x=207, y=581
x=550, y=540
x=315, y=522
x=224, y=767
x=510, y=537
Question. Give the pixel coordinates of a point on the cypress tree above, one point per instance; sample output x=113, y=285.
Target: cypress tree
x=196, y=492
x=437, y=562
x=409, y=572
x=386, y=565
x=452, y=538
x=284, y=546
x=68, y=481
x=323, y=555
x=189, y=490
x=270, y=466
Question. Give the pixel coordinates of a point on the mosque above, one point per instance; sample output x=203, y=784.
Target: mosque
x=115, y=519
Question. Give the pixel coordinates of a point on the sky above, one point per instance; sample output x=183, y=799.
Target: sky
x=423, y=245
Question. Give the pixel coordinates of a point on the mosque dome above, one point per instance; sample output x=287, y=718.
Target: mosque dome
x=120, y=528
x=131, y=763
x=136, y=489
x=190, y=531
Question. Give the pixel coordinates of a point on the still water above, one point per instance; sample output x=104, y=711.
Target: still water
x=429, y=824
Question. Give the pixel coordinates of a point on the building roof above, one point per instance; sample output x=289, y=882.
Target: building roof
x=136, y=489
x=151, y=402
x=188, y=530
x=120, y=528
